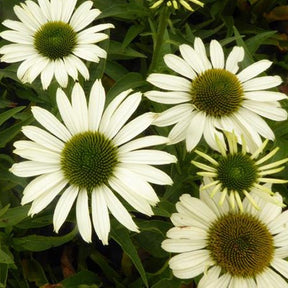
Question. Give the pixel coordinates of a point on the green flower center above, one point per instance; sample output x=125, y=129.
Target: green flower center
x=55, y=40
x=217, y=92
x=240, y=244
x=88, y=159
x=237, y=172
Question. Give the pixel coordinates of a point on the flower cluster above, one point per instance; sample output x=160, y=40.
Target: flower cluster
x=91, y=155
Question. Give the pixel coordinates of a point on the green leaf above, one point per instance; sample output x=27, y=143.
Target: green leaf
x=131, y=34
x=3, y=275
x=8, y=134
x=117, y=51
x=33, y=272
x=41, y=243
x=14, y=216
x=248, y=56
x=122, y=237
x=256, y=41
x=10, y=113
x=129, y=81
x=5, y=258
x=81, y=280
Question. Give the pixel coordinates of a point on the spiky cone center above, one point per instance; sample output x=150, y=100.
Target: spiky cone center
x=55, y=39
x=240, y=244
x=217, y=92
x=88, y=159
x=237, y=172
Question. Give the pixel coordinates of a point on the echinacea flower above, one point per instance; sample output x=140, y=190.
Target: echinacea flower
x=50, y=39
x=237, y=173
x=232, y=248
x=211, y=95
x=91, y=158
x=175, y=4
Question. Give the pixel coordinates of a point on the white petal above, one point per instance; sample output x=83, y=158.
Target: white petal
x=96, y=105
x=138, y=185
x=118, y=210
x=18, y=26
x=174, y=115
x=134, y=128
x=67, y=10
x=153, y=157
x=83, y=217
x=43, y=200
x=56, y=9
x=198, y=208
x=45, y=8
x=195, y=130
x=189, y=260
x=179, y=131
x=122, y=114
x=149, y=173
x=61, y=74
x=41, y=185
x=281, y=266
x=210, y=277
x=262, y=83
x=66, y=111
x=100, y=214
x=168, y=97
x=179, y=65
x=64, y=206
x=266, y=110
x=264, y=96
x=139, y=203
x=216, y=54
x=142, y=142
x=26, y=17
x=47, y=75
x=257, y=123
x=70, y=67
x=83, y=16
x=270, y=279
x=110, y=109
x=209, y=134
x=182, y=245
x=90, y=35
x=169, y=82
x=43, y=138
x=51, y=123
x=253, y=70
x=79, y=65
x=33, y=168
x=79, y=106
x=25, y=66
x=235, y=56
x=193, y=58
x=200, y=49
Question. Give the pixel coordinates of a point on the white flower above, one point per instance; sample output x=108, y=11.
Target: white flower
x=237, y=173
x=50, y=39
x=91, y=157
x=232, y=249
x=211, y=95
x=175, y=4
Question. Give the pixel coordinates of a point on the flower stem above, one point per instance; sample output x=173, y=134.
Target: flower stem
x=163, y=21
